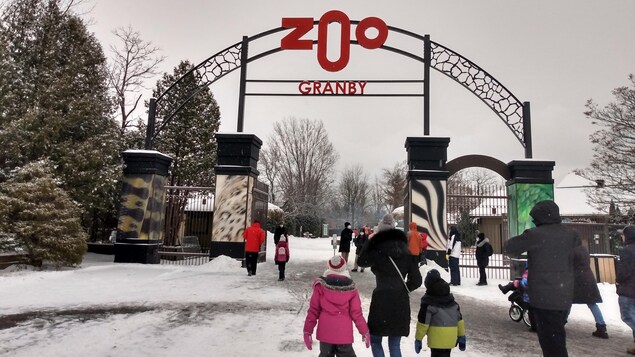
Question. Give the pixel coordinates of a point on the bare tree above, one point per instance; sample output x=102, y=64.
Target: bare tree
x=269, y=165
x=135, y=61
x=377, y=200
x=394, y=186
x=307, y=159
x=353, y=190
x=613, y=165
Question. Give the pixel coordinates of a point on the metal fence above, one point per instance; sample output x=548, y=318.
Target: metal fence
x=183, y=258
x=189, y=212
x=498, y=268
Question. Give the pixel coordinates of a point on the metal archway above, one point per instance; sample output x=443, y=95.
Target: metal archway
x=514, y=113
x=483, y=161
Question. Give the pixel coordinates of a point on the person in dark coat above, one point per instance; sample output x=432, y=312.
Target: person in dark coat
x=345, y=241
x=625, y=281
x=483, y=251
x=280, y=231
x=585, y=289
x=359, y=242
x=389, y=313
x=549, y=248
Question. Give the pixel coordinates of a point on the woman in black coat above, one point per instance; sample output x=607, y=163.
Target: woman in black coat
x=585, y=289
x=483, y=251
x=389, y=313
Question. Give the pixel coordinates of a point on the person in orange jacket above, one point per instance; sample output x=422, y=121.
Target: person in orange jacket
x=254, y=237
x=416, y=243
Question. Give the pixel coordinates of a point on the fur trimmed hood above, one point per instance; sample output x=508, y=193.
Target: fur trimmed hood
x=335, y=283
x=392, y=242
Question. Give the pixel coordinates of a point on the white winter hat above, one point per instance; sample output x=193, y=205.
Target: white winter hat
x=337, y=265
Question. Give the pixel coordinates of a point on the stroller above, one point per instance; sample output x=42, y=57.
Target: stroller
x=519, y=309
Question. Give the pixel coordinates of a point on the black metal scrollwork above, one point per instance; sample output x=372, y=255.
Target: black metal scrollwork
x=482, y=84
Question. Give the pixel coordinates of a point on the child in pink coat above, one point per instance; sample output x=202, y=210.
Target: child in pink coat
x=334, y=307
x=282, y=256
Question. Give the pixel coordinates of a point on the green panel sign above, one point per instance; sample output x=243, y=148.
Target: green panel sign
x=522, y=198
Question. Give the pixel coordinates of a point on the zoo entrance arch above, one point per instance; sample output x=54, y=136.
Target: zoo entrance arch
x=141, y=215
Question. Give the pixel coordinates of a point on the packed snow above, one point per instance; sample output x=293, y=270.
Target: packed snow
x=215, y=309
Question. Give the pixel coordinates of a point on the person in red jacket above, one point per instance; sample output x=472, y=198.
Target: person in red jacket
x=254, y=237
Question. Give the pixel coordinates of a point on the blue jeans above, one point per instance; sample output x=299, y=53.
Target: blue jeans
x=627, y=310
x=455, y=275
x=597, y=313
x=393, y=346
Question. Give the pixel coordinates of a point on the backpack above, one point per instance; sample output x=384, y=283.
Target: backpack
x=281, y=254
x=490, y=250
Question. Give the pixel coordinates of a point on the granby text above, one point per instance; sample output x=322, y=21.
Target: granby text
x=332, y=88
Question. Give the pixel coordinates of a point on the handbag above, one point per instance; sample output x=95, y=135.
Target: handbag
x=401, y=276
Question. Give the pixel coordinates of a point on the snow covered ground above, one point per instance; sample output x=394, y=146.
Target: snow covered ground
x=107, y=309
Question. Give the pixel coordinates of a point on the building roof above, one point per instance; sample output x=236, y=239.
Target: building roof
x=571, y=197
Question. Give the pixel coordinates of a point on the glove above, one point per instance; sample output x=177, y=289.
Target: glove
x=461, y=341
x=308, y=341
x=366, y=339
x=449, y=252
x=417, y=346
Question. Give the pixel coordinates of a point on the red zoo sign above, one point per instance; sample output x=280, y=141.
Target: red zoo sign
x=302, y=25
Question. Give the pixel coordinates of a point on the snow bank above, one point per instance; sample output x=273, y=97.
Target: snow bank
x=221, y=264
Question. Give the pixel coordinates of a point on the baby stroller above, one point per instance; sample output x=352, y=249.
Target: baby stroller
x=519, y=309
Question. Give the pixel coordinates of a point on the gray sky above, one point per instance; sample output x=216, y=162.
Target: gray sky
x=555, y=54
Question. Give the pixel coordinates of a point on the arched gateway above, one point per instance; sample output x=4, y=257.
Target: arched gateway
x=141, y=215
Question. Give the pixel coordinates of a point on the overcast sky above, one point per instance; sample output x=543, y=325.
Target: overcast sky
x=555, y=54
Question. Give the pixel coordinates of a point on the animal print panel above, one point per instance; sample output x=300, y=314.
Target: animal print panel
x=232, y=207
x=428, y=209
x=142, y=207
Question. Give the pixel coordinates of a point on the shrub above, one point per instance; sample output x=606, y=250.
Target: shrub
x=44, y=219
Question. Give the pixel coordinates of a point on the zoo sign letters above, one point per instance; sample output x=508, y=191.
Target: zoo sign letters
x=302, y=25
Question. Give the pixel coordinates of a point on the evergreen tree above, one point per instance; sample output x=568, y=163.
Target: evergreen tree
x=57, y=107
x=43, y=217
x=189, y=136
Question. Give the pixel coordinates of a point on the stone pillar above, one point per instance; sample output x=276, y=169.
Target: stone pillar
x=140, y=226
x=427, y=188
x=236, y=175
x=530, y=182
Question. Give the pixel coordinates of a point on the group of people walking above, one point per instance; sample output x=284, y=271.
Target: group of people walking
x=335, y=305
x=557, y=275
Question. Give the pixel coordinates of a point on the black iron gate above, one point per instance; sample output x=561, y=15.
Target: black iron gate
x=472, y=208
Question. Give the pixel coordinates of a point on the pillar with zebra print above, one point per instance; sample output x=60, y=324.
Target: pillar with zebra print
x=427, y=188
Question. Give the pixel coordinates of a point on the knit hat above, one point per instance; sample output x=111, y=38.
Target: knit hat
x=435, y=285
x=386, y=223
x=346, y=224
x=337, y=265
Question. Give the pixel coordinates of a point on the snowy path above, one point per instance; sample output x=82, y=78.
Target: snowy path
x=106, y=309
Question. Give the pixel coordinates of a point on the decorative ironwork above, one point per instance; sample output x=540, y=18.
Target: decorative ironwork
x=482, y=84
x=210, y=70
x=495, y=95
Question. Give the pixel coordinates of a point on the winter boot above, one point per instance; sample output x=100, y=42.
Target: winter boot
x=600, y=331
x=506, y=288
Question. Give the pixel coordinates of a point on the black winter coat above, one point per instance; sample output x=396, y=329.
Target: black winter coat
x=278, y=233
x=585, y=288
x=389, y=313
x=359, y=241
x=625, y=278
x=483, y=252
x=549, y=248
x=345, y=240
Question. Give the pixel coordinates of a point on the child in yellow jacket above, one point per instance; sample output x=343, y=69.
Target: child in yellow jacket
x=439, y=318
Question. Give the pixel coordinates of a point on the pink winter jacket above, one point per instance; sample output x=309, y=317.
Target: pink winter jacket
x=335, y=305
